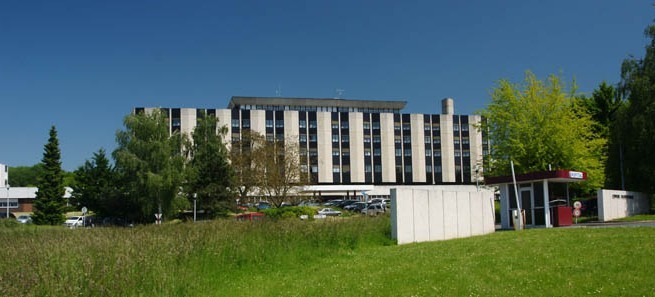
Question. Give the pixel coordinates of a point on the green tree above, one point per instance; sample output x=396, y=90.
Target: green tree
x=634, y=134
x=539, y=125
x=279, y=166
x=150, y=165
x=95, y=186
x=25, y=176
x=49, y=204
x=209, y=174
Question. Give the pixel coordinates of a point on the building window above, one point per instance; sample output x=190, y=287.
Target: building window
x=465, y=140
x=458, y=154
x=456, y=127
x=428, y=168
x=426, y=127
x=406, y=126
x=279, y=123
x=396, y=139
x=376, y=138
x=399, y=152
x=336, y=169
x=378, y=168
x=437, y=168
x=312, y=124
x=245, y=123
x=345, y=168
x=302, y=138
x=302, y=124
x=376, y=125
x=428, y=153
x=345, y=152
x=408, y=152
x=279, y=137
x=456, y=140
x=269, y=123
x=367, y=152
x=465, y=127
x=436, y=127
x=344, y=125
x=345, y=138
x=466, y=153
x=407, y=139
x=408, y=168
x=436, y=140
x=367, y=125
x=396, y=126
x=376, y=152
x=335, y=125
x=427, y=139
x=367, y=139
x=313, y=152
x=367, y=168
x=235, y=123
x=335, y=138
x=269, y=137
x=335, y=152
x=437, y=153
x=312, y=137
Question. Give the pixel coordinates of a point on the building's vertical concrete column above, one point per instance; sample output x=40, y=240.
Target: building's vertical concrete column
x=258, y=122
x=447, y=149
x=387, y=142
x=418, y=148
x=224, y=117
x=324, y=137
x=291, y=127
x=356, y=122
x=547, y=205
x=475, y=144
x=188, y=121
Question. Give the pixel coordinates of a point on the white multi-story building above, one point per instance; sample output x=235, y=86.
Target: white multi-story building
x=4, y=175
x=357, y=142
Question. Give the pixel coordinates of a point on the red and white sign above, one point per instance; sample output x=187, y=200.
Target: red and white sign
x=577, y=205
x=576, y=212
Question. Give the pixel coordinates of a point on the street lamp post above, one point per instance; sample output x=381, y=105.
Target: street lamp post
x=195, y=198
x=7, y=201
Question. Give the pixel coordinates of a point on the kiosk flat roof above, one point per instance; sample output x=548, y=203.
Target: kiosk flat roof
x=560, y=176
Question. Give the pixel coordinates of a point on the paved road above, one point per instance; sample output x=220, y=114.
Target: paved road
x=612, y=224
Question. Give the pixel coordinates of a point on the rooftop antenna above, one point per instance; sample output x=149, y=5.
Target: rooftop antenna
x=339, y=93
x=278, y=91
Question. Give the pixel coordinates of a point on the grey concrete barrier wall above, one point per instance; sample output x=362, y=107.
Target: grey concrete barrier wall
x=613, y=204
x=431, y=215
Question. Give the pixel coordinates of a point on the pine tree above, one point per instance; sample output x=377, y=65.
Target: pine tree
x=49, y=205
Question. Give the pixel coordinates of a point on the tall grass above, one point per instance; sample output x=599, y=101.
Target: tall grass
x=168, y=260
x=334, y=257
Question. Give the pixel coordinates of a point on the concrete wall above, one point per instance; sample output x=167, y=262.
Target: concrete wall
x=429, y=215
x=620, y=204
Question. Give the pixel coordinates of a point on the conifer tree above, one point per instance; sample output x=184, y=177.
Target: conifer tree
x=49, y=204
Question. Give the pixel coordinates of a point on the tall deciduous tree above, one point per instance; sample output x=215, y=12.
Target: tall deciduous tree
x=49, y=204
x=281, y=171
x=245, y=157
x=538, y=125
x=150, y=164
x=635, y=130
x=210, y=175
x=95, y=186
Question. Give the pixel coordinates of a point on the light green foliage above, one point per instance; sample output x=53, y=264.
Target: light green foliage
x=210, y=176
x=150, y=165
x=634, y=133
x=25, y=176
x=537, y=124
x=49, y=203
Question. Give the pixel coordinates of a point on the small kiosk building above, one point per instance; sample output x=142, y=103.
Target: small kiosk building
x=543, y=197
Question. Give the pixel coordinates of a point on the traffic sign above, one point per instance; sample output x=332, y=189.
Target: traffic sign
x=84, y=210
x=576, y=212
x=577, y=205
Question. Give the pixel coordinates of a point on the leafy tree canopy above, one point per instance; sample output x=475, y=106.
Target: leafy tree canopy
x=538, y=125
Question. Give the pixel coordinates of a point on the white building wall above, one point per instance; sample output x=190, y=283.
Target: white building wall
x=224, y=119
x=4, y=175
x=188, y=121
x=447, y=149
x=614, y=204
x=388, y=151
x=418, y=148
x=258, y=122
x=427, y=215
x=324, y=146
x=356, y=122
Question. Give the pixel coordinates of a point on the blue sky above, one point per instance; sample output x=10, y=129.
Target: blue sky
x=83, y=65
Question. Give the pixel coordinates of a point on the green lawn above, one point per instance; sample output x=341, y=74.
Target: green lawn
x=341, y=257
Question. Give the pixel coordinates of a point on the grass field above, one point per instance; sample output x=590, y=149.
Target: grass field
x=342, y=257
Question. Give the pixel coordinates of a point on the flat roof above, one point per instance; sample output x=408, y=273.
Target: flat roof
x=561, y=176
x=323, y=102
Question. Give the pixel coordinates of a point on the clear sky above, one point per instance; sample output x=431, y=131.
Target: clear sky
x=83, y=65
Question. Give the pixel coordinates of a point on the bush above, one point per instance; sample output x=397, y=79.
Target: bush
x=289, y=212
x=11, y=223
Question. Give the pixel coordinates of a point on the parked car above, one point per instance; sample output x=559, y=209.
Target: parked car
x=329, y=212
x=345, y=203
x=374, y=209
x=357, y=206
x=263, y=205
x=72, y=222
x=334, y=202
x=309, y=203
x=24, y=219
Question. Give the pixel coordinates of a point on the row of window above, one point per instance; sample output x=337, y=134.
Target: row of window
x=245, y=123
x=318, y=108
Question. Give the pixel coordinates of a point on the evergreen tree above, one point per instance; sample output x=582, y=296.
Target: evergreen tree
x=95, y=186
x=210, y=176
x=49, y=204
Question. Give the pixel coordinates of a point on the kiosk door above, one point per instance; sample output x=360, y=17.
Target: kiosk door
x=526, y=204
